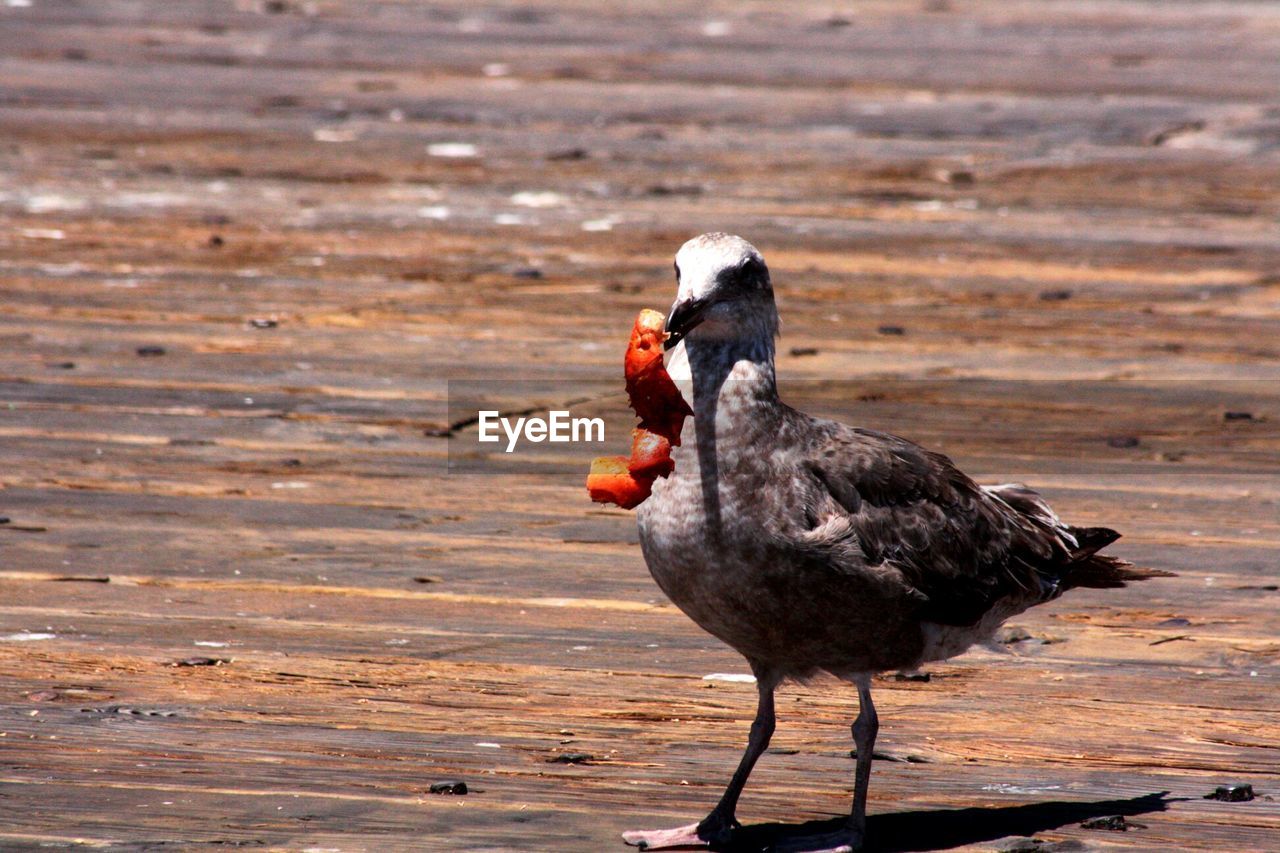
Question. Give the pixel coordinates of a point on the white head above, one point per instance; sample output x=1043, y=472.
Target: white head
x=722, y=290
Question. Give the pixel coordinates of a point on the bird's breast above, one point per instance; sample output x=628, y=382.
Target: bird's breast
x=703, y=529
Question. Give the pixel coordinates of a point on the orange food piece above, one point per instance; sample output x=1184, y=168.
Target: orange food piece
x=645, y=346
x=650, y=454
x=610, y=482
x=656, y=399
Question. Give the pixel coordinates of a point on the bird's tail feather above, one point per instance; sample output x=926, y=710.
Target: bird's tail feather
x=1099, y=571
x=1091, y=540
x=1083, y=566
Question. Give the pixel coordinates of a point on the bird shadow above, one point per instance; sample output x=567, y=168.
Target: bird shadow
x=940, y=829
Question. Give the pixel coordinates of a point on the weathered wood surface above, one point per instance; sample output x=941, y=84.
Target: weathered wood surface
x=1033, y=192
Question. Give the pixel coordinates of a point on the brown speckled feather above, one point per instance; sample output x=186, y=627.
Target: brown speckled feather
x=957, y=544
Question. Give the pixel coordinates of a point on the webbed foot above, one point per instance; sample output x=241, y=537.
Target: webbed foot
x=714, y=829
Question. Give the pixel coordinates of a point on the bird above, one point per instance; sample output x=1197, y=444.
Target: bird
x=810, y=546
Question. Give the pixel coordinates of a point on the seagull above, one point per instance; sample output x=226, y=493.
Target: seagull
x=810, y=546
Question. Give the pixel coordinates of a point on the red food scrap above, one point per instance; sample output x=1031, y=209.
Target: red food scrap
x=650, y=454
x=656, y=399
x=611, y=482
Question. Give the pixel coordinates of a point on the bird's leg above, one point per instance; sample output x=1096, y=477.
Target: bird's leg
x=864, y=738
x=850, y=837
x=722, y=820
x=718, y=826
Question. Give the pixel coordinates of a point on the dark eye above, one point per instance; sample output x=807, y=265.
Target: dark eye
x=677, y=266
x=751, y=268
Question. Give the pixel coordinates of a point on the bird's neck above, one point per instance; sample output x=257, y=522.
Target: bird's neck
x=720, y=374
x=730, y=384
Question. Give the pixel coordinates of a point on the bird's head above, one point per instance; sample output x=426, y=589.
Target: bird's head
x=722, y=290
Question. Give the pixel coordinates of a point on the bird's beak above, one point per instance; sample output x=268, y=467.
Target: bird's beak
x=683, y=317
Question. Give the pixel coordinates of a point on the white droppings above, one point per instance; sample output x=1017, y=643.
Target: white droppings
x=50, y=203
x=437, y=212
x=733, y=677
x=1005, y=788
x=291, y=484
x=489, y=745
x=1207, y=140
x=26, y=637
x=580, y=649
x=43, y=233
x=715, y=29
x=334, y=134
x=509, y=219
x=18, y=4
x=530, y=198
x=605, y=224
x=496, y=69
x=399, y=642
x=130, y=200
x=73, y=268
x=453, y=149
x=212, y=644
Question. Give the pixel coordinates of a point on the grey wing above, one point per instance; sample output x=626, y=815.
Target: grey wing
x=959, y=547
